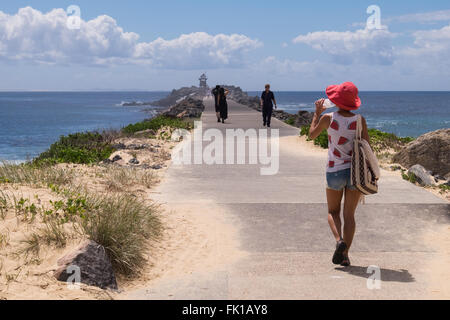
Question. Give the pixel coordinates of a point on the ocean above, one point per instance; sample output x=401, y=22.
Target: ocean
x=406, y=114
x=31, y=121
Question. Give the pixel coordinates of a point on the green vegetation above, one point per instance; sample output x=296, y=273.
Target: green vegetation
x=379, y=140
x=290, y=121
x=157, y=123
x=411, y=177
x=444, y=187
x=81, y=148
x=321, y=140
x=94, y=147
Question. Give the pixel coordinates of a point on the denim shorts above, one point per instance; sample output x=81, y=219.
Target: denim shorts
x=340, y=180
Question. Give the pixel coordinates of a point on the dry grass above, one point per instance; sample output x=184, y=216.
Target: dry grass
x=120, y=179
x=122, y=224
x=26, y=174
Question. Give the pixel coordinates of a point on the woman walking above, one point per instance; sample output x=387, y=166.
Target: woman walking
x=341, y=126
x=223, y=105
x=215, y=93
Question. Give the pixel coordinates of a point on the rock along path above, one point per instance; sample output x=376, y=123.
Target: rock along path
x=281, y=222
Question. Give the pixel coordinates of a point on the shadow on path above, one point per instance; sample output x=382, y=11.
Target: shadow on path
x=387, y=275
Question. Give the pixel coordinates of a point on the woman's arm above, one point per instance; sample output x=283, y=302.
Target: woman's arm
x=226, y=92
x=319, y=123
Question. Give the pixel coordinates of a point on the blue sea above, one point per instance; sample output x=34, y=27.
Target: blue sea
x=31, y=121
x=404, y=113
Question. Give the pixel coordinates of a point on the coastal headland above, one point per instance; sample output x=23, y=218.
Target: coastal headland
x=217, y=231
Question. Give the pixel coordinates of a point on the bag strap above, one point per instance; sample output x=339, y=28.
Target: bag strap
x=359, y=128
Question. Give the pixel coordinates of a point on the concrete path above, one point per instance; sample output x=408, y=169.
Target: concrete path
x=282, y=225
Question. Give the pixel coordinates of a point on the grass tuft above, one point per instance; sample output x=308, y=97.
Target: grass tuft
x=28, y=174
x=122, y=225
x=121, y=179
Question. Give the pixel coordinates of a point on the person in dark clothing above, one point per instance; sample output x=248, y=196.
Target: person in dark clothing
x=215, y=93
x=267, y=104
x=223, y=105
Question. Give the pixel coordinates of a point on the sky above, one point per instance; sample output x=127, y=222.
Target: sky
x=161, y=45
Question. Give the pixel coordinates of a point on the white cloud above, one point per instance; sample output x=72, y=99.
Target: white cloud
x=430, y=53
x=368, y=46
x=197, y=50
x=44, y=38
x=425, y=17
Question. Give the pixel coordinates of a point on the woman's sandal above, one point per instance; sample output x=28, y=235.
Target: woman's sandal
x=338, y=256
x=346, y=262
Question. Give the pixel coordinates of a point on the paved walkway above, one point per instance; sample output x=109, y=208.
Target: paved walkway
x=282, y=226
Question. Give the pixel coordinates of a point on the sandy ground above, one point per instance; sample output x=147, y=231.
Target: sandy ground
x=439, y=267
x=30, y=276
x=197, y=238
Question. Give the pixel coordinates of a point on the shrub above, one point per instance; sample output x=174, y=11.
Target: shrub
x=382, y=140
x=290, y=121
x=80, y=148
x=379, y=140
x=321, y=140
x=157, y=123
x=122, y=225
x=411, y=177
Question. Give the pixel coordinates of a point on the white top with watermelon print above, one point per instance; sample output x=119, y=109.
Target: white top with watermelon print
x=341, y=133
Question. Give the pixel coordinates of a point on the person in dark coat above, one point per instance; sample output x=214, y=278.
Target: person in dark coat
x=267, y=104
x=215, y=93
x=223, y=105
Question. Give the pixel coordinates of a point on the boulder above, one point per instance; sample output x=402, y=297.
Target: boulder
x=423, y=176
x=93, y=263
x=188, y=108
x=304, y=118
x=116, y=158
x=134, y=161
x=431, y=150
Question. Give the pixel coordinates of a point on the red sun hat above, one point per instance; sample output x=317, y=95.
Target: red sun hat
x=345, y=96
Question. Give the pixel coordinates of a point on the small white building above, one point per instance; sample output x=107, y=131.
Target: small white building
x=203, y=81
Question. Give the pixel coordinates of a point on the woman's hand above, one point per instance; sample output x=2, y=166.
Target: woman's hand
x=320, y=107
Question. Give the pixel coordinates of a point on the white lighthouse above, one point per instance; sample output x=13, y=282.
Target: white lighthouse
x=203, y=82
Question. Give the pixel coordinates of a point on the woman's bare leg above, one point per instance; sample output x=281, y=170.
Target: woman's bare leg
x=334, y=199
x=351, y=202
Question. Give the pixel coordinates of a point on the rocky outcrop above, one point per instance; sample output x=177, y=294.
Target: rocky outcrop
x=189, y=108
x=93, y=265
x=423, y=176
x=431, y=150
x=177, y=95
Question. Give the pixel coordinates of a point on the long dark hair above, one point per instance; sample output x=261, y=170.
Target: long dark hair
x=222, y=93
